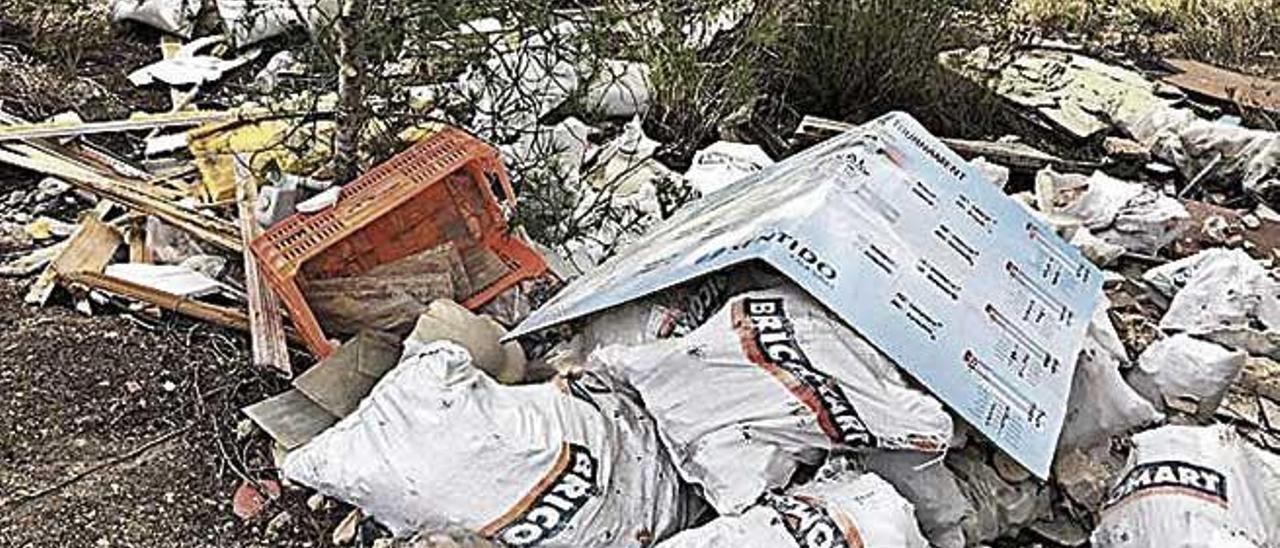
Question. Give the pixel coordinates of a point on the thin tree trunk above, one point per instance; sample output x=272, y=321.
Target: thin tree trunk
x=351, y=79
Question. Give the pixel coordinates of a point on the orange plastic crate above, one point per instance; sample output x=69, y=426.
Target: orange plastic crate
x=440, y=190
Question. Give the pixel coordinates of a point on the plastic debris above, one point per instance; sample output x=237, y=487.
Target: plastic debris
x=1225, y=154
x=173, y=279
x=1119, y=213
x=940, y=506
x=440, y=443
x=251, y=21
x=620, y=89
x=189, y=68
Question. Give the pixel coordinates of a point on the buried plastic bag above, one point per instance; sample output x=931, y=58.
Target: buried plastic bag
x=840, y=508
x=1188, y=486
x=770, y=381
x=438, y=443
x=174, y=16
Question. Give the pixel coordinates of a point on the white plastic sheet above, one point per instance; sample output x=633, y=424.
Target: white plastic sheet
x=1193, y=487
x=1118, y=212
x=438, y=443
x=1223, y=153
x=770, y=381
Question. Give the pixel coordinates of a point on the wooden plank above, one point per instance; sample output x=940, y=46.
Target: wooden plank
x=219, y=315
x=89, y=249
x=149, y=121
x=1016, y=156
x=1224, y=85
x=128, y=193
x=266, y=325
x=136, y=234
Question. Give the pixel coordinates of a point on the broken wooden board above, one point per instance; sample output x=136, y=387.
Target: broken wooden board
x=1224, y=85
x=48, y=159
x=386, y=303
x=1016, y=156
x=1217, y=226
x=266, y=326
x=147, y=121
x=1071, y=95
x=219, y=315
x=89, y=249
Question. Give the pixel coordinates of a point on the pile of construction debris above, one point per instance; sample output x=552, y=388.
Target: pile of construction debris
x=884, y=339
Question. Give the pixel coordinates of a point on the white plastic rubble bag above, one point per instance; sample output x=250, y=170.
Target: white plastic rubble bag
x=840, y=509
x=1187, y=374
x=769, y=381
x=252, y=21
x=438, y=443
x=1193, y=487
x=172, y=16
x=724, y=163
x=1223, y=289
x=1102, y=404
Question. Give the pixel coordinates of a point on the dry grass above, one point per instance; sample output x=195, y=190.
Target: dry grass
x=1234, y=33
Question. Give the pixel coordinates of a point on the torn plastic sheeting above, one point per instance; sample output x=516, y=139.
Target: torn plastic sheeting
x=838, y=508
x=791, y=383
x=616, y=200
x=1118, y=212
x=172, y=16
x=1223, y=289
x=172, y=279
x=958, y=254
x=1224, y=153
x=724, y=163
x=1186, y=374
x=1188, y=486
x=1098, y=250
x=1102, y=404
x=189, y=68
x=438, y=442
x=250, y=21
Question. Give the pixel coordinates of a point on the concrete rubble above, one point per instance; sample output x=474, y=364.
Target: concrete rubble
x=878, y=337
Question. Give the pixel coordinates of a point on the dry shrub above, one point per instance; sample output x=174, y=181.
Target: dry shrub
x=1228, y=32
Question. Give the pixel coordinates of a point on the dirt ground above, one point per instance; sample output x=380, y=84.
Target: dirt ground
x=118, y=433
